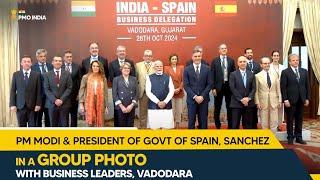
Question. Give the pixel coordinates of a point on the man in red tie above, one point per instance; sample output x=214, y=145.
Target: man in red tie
x=57, y=87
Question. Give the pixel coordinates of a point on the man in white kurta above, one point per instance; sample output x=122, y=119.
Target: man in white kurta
x=160, y=90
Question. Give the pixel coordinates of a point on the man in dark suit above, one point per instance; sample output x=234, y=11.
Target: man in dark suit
x=197, y=83
x=242, y=85
x=255, y=68
x=200, y=49
x=114, y=71
x=221, y=68
x=74, y=70
x=94, y=56
x=295, y=92
x=25, y=94
x=114, y=66
x=42, y=67
x=58, y=86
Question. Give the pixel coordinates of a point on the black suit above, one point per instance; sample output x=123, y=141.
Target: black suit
x=201, y=87
x=58, y=114
x=222, y=88
x=126, y=94
x=256, y=68
x=25, y=97
x=36, y=67
x=202, y=62
x=296, y=92
x=86, y=65
x=73, y=111
x=114, y=71
x=240, y=91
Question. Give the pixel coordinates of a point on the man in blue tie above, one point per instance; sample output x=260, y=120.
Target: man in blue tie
x=42, y=67
x=242, y=86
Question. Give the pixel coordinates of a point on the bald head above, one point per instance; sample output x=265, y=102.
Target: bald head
x=242, y=63
x=265, y=63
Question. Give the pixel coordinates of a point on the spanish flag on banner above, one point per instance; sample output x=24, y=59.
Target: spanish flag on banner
x=83, y=8
x=225, y=7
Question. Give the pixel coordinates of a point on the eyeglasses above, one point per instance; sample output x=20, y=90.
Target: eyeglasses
x=147, y=55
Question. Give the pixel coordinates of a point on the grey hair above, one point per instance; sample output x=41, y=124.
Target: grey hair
x=39, y=51
x=291, y=55
x=158, y=61
x=146, y=51
x=121, y=46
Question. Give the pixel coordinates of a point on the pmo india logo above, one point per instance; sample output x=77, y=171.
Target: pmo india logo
x=23, y=16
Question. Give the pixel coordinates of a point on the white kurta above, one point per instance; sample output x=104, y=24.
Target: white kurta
x=160, y=118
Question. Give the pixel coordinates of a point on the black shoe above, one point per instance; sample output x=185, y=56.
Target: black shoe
x=300, y=141
x=290, y=141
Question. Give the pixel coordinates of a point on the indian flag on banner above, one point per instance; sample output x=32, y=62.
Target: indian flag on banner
x=83, y=8
x=225, y=7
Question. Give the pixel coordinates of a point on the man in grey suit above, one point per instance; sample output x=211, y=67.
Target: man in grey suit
x=125, y=96
x=25, y=94
x=58, y=86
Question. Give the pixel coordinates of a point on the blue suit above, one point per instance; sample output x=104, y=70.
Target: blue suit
x=36, y=67
x=195, y=86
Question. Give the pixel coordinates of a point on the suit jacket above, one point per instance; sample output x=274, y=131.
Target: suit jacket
x=114, y=69
x=195, y=86
x=21, y=95
x=125, y=94
x=141, y=73
x=75, y=76
x=238, y=89
x=86, y=65
x=177, y=78
x=264, y=94
x=218, y=74
x=202, y=62
x=291, y=89
x=256, y=68
x=36, y=67
x=54, y=92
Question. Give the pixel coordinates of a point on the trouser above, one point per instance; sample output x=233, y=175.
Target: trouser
x=26, y=117
x=225, y=91
x=294, y=113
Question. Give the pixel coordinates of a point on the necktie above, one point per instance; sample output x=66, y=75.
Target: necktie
x=68, y=67
x=121, y=63
x=297, y=74
x=94, y=58
x=251, y=66
x=224, y=68
x=197, y=71
x=244, y=79
x=268, y=80
x=57, y=78
x=26, y=79
x=43, y=69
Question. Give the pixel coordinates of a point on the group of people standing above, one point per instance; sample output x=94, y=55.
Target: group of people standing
x=64, y=89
